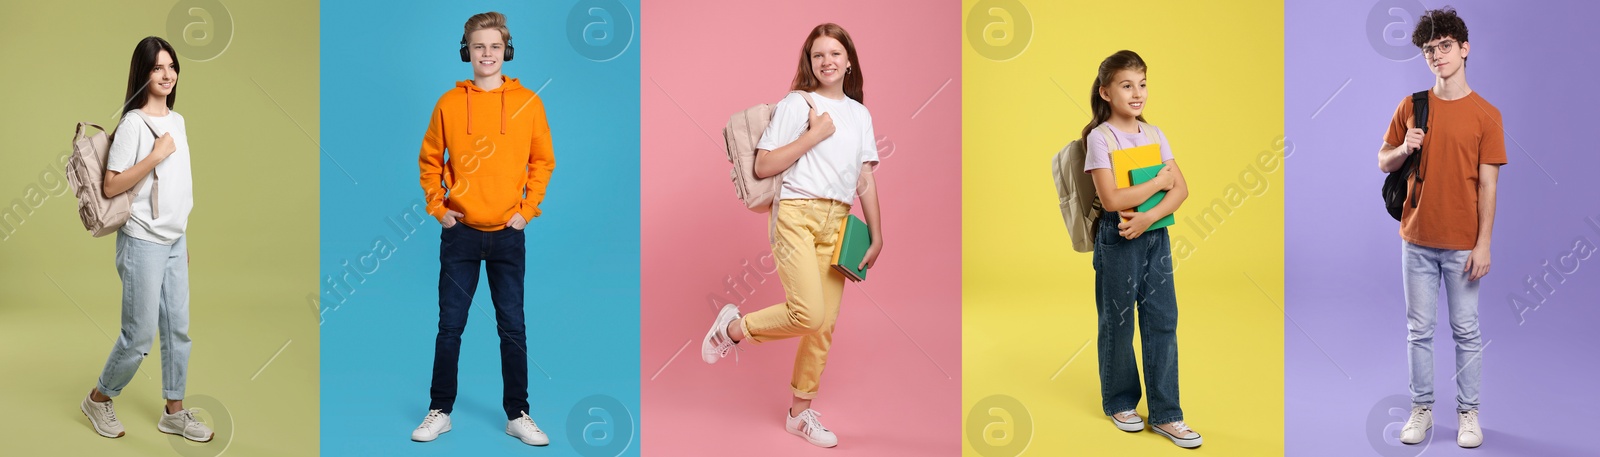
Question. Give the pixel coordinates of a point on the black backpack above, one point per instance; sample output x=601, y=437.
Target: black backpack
x=1394, y=186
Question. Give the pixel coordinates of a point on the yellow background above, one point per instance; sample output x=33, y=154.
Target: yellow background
x=1216, y=89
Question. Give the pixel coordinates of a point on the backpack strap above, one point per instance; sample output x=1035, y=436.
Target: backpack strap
x=155, y=184
x=772, y=219
x=1419, y=114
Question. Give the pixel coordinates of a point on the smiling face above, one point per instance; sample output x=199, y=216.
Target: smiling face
x=487, y=49
x=1126, y=93
x=1445, y=56
x=163, y=77
x=829, y=61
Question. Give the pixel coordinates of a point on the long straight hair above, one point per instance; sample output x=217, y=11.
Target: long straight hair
x=806, y=80
x=1122, y=60
x=145, y=55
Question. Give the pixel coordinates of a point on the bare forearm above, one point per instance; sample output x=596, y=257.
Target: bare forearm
x=1391, y=157
x=775, y=161
x=117, y=183
x=869, y=207
x=1129, y=197
x=1486, y=202
x=1170, y=203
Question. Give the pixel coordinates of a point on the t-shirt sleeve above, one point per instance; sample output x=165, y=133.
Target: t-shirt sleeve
x=789, y=120
x=1396, y=135
x=1492, y=148
x=1166, y=146
x=1098, y=154
x=125, y=145
x=869, y=142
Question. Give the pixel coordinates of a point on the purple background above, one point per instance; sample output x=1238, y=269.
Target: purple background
x=1344, y=339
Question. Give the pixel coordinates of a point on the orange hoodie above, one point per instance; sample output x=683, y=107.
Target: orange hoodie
x=500, y=155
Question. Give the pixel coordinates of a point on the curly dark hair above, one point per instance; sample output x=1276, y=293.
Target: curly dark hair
x=1437, y=24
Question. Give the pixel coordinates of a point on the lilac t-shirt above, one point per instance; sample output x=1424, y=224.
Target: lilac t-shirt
x=1099, y=156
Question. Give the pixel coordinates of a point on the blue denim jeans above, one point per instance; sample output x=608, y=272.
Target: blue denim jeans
x=155, y=300
x=1129, y=273
x=1424, y=268
x=503, y=253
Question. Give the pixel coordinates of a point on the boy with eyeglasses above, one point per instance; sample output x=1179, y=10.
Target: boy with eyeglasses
x=1445, y=236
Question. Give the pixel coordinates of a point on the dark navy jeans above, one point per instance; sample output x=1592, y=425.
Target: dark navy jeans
x=1128, y=274
x=504, y=254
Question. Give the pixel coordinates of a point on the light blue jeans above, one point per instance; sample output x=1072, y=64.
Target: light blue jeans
x=155, y=298
x=1424, y=268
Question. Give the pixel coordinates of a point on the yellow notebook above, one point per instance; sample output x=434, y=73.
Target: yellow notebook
x=1124, y=161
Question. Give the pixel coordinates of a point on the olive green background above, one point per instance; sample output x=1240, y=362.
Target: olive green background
x=252, y=116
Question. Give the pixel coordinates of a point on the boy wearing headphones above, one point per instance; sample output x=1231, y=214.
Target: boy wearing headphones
x=484, y=191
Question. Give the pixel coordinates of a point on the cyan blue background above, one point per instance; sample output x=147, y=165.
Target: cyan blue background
x=384, y=64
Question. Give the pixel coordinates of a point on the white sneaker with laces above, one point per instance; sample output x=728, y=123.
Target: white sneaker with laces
x=437, y=422
x=1471, y=435
x=183, y=423
x=807, y=426
x=102, y=417
x=1180, y=435
x=717, y=342
x=1417, y=425
x=1128, y=421
x=524, y=429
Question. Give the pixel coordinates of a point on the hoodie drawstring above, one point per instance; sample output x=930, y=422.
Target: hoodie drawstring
x=502, y=111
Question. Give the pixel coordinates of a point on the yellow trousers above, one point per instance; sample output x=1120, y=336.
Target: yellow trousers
x=806, y=233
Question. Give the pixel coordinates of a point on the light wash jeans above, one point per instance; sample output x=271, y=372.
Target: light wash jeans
x=1424, y=268
x=155, y=298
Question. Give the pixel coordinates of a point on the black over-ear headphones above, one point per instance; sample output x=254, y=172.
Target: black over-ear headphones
x=467, y=57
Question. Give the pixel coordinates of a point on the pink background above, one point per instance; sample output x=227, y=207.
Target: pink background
x=892, y=386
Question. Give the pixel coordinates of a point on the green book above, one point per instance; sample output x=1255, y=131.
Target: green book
x=854, y=239
x=1139, y=176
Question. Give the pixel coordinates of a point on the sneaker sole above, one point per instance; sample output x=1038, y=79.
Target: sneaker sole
x=525, y=441
x=207, y=440
x=96, y=427
x=808, y=438
x=1129, y=427
x=435, y=436
x=1183, y=443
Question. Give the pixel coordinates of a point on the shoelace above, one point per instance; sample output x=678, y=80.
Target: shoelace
x=809, y=418
x=106, y=408
x=726, y=344
x=527, y=422
x=1469, y=420
x=1126, y=416
x=433, y=416
x=1179, y=428
x=1416, y=419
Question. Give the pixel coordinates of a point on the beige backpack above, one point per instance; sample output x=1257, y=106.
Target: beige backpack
x=86, y=172
x=1075, y=190
x=743, y=131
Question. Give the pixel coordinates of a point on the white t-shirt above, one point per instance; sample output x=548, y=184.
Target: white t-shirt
x=829, y=170
x=133, y=143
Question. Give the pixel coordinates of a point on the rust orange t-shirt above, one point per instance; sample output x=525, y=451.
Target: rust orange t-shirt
x=1461, y=135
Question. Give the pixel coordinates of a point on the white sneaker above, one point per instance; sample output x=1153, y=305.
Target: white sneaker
x=717, y=342
x=524, y=429
x=1417, y=425
x=103, y=417
x=183, y=423
x=1180, y=435
x=1128, y=421
x=1471, y=435
x=807, y=426
x=437, y=422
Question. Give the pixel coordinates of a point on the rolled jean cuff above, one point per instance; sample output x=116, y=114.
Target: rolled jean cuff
x=803, y=395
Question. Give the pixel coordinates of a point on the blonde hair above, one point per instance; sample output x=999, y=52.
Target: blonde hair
x=489, y=20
